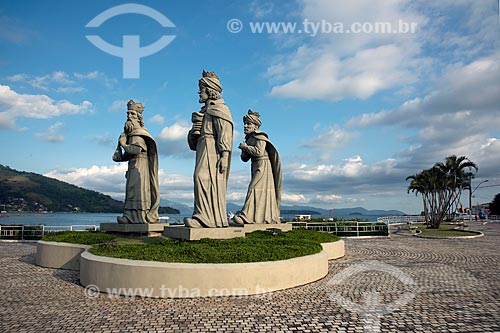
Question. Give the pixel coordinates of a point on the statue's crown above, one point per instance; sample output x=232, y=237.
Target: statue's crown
x=131, y=105
x=210, y=74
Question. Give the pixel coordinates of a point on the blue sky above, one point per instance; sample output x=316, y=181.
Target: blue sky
x=351, y=114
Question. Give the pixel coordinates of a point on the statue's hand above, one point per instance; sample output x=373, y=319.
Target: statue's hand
x=223, y=163
x=243, y=146
x=117, y=156
x=122, y=140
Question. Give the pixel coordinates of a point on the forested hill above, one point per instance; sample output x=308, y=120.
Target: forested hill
x=33, y=192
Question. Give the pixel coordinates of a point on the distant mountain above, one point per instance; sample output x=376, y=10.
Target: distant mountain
x=296, y=210
x=340, y=212
x=183, y=209
x=33, y=192
x=232, y=207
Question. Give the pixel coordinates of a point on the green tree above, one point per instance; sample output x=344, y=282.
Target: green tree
x=495, y=205
x=441, y=187
x=458, y=171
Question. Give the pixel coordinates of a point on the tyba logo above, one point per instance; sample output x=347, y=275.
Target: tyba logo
x=131, y=51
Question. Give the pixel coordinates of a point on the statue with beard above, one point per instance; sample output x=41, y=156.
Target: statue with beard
x=212, y=138
x=137, y=147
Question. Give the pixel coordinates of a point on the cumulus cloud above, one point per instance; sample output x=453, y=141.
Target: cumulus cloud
x=157, y=119
x=104, y=139
x=456, y=117
x=351, y=175
x=173, y=140
x=330, y=139
x=236, y=196
x=293, y=198
x=261, y=9
x=53, y=133
x=118, y=105
x=101, y=77
x=14, y=105
x=105, y=179
x=60, y=81
x=337, y=66
x=111, y=180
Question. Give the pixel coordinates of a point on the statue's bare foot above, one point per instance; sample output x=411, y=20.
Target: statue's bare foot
x=122, y=220
x=238, y=220
x=192, y=223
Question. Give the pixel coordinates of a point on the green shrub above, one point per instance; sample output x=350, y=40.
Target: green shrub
x=78, y=237
x=255, y=247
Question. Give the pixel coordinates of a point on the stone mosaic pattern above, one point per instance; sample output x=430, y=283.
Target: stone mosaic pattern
x=455, y=287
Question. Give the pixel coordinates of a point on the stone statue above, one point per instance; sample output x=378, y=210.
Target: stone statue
x=137, y=146
x=211, y=136
x=262, y=204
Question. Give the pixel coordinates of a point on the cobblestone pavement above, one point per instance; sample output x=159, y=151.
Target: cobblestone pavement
x=426, y=285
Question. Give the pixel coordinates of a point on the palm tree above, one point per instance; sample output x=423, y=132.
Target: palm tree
x=418, y=185
x=458, y=178
x=441, y=187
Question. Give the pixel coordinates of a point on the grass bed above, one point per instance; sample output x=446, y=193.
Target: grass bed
x=445, y=230
x=255, y=247
x=78, y=237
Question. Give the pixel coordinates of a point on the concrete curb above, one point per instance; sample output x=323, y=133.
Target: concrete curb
x=185, y=280
x=59, y=255
x=335, y=250
x=479, y=234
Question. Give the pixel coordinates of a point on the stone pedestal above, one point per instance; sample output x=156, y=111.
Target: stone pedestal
x=181, y=232
x=284, y=227
x=142, y=228
x=186, y=233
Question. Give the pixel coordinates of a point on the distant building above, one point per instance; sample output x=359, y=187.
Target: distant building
x=302, y=218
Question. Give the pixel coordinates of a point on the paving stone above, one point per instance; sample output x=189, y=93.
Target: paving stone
x=455, y=287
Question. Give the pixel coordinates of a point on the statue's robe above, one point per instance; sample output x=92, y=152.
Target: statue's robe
x=210, y=185
x=142, y=198
x=262, y=203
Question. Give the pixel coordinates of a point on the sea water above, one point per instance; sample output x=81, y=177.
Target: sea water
x=58, y=219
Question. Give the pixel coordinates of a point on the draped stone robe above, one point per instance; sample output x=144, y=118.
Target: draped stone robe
x=142, y=196
x=210, y=185
x=262, y=203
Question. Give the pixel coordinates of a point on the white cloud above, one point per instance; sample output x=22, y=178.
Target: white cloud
x=330, y=139
x=45, y=82
x=349, y=177
x=104, y=139
x=176, y=132
x=118, y=105
x=17, y=78
x=157, y=119
x=7, y=120
x=61, y=81
x=111, y=180
x=333, y=66
x=289, y=198
x=173, y=140
x=14, y=105
x=328, y=197
x=261, y=9
x=97, y=76
x=53, y=133
x=103, y=179
x=457, y=117
x=70, y=89
x=236, y=196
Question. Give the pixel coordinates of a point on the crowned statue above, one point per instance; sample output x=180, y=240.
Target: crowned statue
x=262, y=203
x=211, y=136
x=137, y=147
